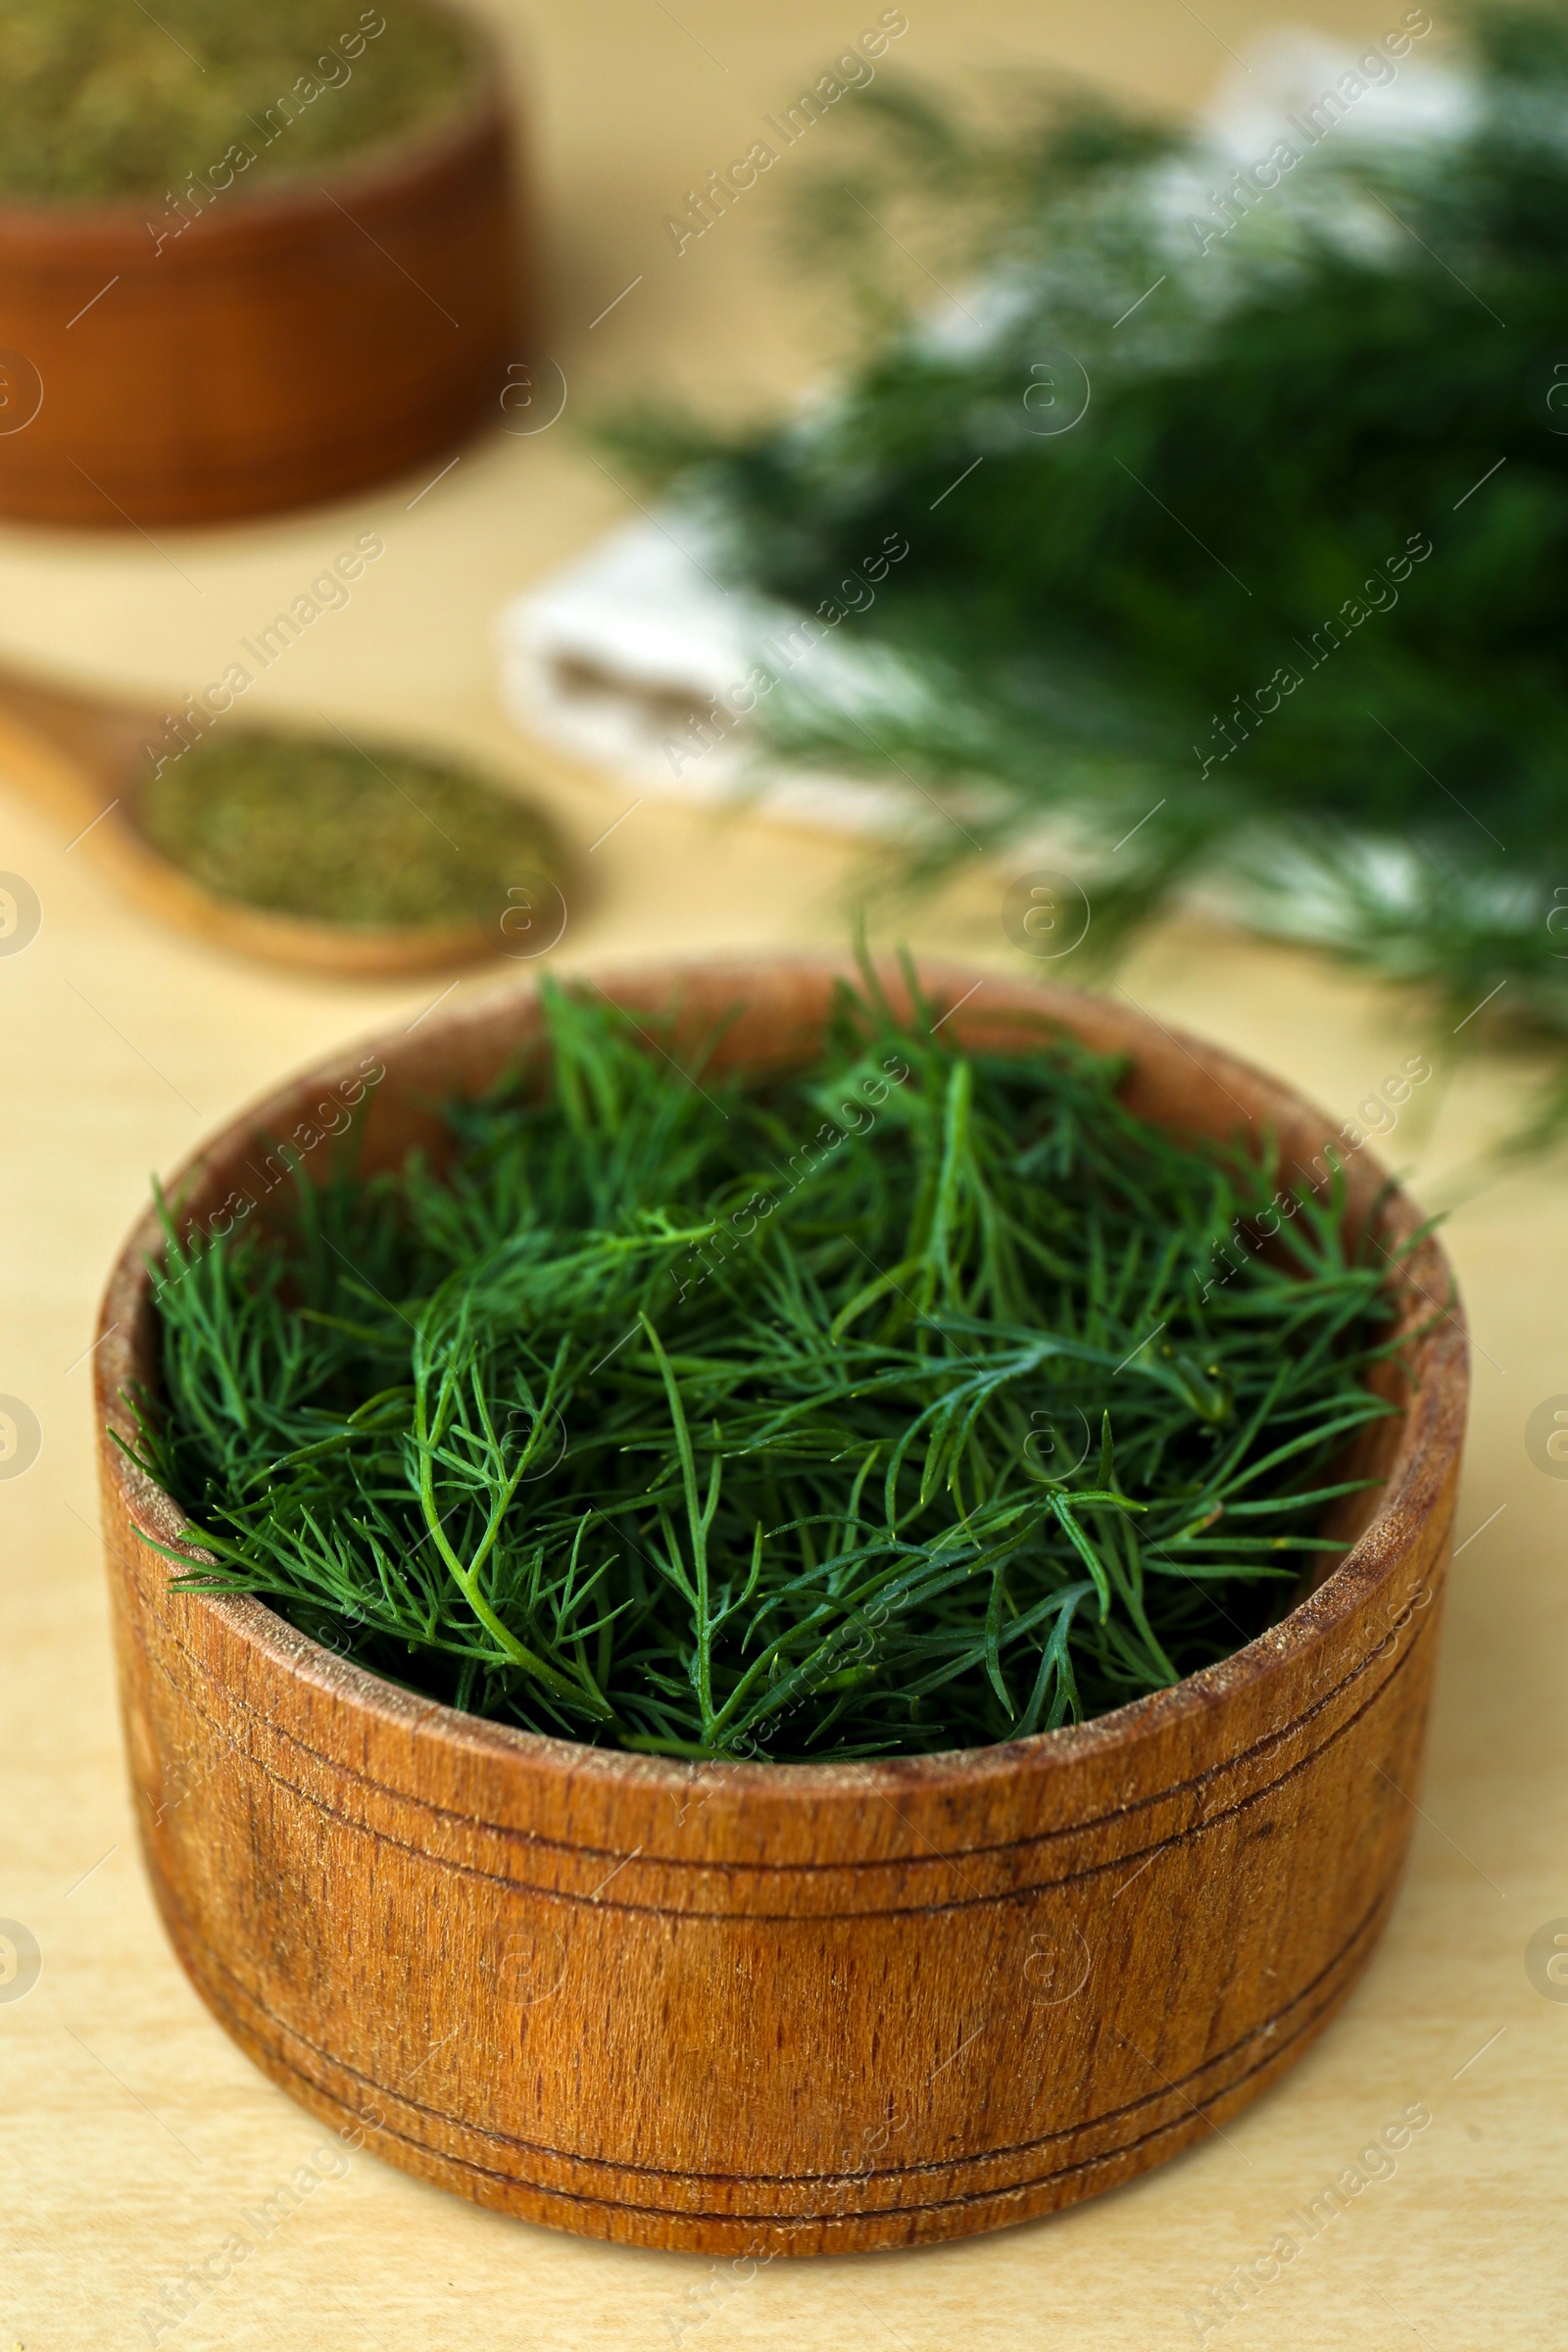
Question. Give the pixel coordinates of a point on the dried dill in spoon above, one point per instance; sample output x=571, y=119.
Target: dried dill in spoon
x=330, y=833
x=916, y=1400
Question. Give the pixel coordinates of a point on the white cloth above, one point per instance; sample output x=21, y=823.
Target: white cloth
x=614, y=657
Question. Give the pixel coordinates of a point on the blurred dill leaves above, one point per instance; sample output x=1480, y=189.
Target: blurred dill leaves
x=1294, y=391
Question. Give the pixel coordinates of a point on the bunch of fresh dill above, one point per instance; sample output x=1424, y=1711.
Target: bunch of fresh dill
x=919, y=1398
x=1236, y=493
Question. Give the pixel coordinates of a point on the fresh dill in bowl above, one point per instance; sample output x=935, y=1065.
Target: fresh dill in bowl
x=331, y=833
x=919, y=1397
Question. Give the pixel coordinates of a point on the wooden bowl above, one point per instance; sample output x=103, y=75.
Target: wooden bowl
x=84, y=760
x=290, y=345
x=783, y=2008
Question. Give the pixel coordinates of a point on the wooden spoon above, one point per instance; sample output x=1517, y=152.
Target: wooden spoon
x=84, y=759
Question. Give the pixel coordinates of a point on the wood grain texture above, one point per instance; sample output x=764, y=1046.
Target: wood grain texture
x=84, y=759
x=782, y=2009
x=291, y=343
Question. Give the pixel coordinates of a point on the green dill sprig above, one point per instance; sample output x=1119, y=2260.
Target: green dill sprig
x=919, y=1398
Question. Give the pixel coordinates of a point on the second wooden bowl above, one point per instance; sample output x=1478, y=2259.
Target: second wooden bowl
x=781, y=2008
x=288, y=345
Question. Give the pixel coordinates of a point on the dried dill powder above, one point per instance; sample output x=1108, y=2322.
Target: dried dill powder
x=339, y=835
x=915, y=1399
x=103, y=99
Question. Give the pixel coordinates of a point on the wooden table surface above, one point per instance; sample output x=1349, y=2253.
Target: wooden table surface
x=136, y=2139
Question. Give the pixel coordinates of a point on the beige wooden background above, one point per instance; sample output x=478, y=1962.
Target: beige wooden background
x=134, y=2132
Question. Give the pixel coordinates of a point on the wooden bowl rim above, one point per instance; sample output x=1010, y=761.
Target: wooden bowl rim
x=1428, y=1438
x=478, y=110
